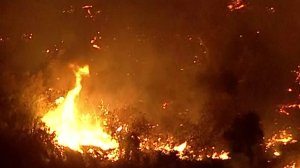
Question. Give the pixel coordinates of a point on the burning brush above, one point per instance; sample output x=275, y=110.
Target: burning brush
x=75, y=129
x=85, y=132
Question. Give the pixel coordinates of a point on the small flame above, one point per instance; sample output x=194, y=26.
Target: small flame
x=223, y=155
x=180, y=147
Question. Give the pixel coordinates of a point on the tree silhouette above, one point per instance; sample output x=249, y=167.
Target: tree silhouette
x=245, y=137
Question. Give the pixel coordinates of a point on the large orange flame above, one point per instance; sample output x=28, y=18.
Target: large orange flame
x=73, y=128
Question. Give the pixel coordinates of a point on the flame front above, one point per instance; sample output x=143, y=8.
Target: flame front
x=73, y=128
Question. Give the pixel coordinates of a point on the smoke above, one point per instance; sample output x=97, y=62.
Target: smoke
x=169, y=59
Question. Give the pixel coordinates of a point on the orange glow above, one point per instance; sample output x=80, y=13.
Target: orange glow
x=297, y=72
x=74, y=128
x=276, y=153
x=284, y=108
x=77, y=128
x=94, y=41
x=281, y=138
x=180, y=147
x=185, y=151
x=292, y=165
x=236, y=5
x=223, y=155
x=96, y=46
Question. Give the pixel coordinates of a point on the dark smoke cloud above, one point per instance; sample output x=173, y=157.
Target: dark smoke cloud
x=205, y=62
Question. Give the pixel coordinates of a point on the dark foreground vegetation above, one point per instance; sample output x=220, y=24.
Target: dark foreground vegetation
x=25, y=145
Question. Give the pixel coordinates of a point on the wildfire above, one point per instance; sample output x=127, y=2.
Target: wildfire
x=184, y=150
x=79, y=130
x=165, y=146
x=74, y=128
x=283, y=137
x=284, y=109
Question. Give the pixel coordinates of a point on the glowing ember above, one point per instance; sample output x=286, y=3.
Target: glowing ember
x=283, y=137
x=96, y=46
x=297, y=72
x=292, y=165
x=184, y=150
x=73, y=128
x=276, y=153
x=223, y=155
x=94, y=41
x=284, y=109
x=119, y=129
x=236, y=5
